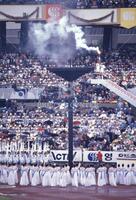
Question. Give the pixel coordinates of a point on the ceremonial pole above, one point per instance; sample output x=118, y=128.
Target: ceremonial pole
x=70, y=126
x=70, y=74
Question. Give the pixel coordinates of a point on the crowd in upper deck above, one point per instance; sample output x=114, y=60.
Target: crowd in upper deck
x=79, y=4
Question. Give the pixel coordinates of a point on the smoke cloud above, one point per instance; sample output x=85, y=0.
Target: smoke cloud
x=58, y=40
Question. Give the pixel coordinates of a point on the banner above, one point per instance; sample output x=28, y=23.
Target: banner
x=21, y=93
x=127, y=17
x=53, y=12
x=91, y=156
x=62, y=155
x=107, y=156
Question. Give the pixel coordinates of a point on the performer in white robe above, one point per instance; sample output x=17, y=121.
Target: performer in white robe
x=45, y=177
x=74, y=175
x=33, y=159
x=68, y=175
x=35, y=176
x=63, y=177
x=120, y=172
x=16, y=173
x=53, y=182
x=82, y=176
x=87, y=181
x=124, y=172
x=102, y=180
x=10, y=158
x=4, y=174
x=90, y=176
x=3, y=158
x=106, y=174
x=16, y=158
x=46, y=181
x=3, y=179
x=50, y=175
x=28, y=159
x=22, y=158
x=128, y=176
x=42, y=171
x=31, y=171
x=1, y=167
x=133, y=168
x=58, y=175
x=24, y=180
x=11, y=176
x=41, y=159
x=112, y=176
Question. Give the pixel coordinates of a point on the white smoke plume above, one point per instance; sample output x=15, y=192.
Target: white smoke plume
x=58, y=39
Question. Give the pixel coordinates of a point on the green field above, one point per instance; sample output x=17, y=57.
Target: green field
x=4, y=198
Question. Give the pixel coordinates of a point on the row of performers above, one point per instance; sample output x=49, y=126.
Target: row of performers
x=47, y=175
x=24, y=157
x=20, y=146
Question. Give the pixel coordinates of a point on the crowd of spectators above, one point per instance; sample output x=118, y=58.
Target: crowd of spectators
x=79, y=4
x=95, y=128
x=27, y=71
x=120, y=65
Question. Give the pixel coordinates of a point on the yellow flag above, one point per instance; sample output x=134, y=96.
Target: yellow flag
x=127, y=17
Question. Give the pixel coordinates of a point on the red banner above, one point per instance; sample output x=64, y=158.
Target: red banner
x=53, y=12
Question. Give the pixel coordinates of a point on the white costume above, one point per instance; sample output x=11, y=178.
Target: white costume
x=129, y=176
x=74, y=174
x=134, y=176
x=68, y=175
x=58, y=175
x=90, y=176
x=120, y=175
x=10, y=158
x=22, y=158
x=30, y=173
x=82, y=176
x=42, y=171
x=11, y=176
x=16, y=173
x=102, y=179
x=4, y=174
x=24, y=176
x=46, y=181
x=35, y=177
x=63, y=177
x=16, y=158
x=54, y=177
x=112, y=176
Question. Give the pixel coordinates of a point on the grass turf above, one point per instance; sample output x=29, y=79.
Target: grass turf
x=4, y=198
